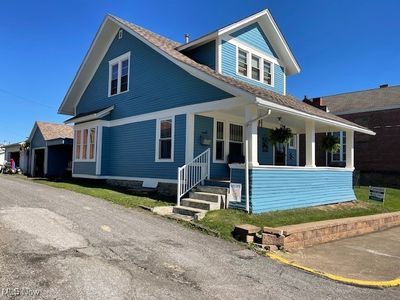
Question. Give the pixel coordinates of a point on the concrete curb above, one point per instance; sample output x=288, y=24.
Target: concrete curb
x=351, y=281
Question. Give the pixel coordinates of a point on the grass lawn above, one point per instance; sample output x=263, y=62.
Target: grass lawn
x=117, y=195
x=225, y=220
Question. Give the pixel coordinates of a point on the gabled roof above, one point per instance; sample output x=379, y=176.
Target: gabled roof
x=268, y=24
x=52, y=131
x=168, y=49
x=89, y=116
x=362, y=101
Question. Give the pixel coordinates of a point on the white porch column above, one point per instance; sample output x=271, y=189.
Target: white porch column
x=251, y=134
x=189, y=151
x=310, y=143
x=349, y=149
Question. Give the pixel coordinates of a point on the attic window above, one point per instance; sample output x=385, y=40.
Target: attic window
x=119, y=75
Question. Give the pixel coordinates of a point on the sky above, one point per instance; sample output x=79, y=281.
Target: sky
x=341, y=45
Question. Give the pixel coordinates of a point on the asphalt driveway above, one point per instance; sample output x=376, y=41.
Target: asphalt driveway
x=64, y=245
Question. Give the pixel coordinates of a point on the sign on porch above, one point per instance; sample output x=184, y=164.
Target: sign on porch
x=235, y=192
x=376, y=193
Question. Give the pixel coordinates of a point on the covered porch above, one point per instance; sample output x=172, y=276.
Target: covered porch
x=270, y=174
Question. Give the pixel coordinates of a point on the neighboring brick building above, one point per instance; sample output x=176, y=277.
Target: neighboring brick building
x=377, y=158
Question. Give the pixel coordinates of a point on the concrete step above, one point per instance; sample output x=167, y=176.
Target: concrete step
x=206, y=196
x=200, y=204
x=188, y=211
x=212, y=189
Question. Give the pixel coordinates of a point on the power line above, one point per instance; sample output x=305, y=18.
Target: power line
x=24, y=99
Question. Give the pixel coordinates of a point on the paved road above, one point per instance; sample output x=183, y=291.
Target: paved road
x=69, y=246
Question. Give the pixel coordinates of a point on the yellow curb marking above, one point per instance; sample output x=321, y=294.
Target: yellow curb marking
x=106, y=228
x=371, y=283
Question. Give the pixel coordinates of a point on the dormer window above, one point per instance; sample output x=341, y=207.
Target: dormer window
x=261, y=69
x=119, y=75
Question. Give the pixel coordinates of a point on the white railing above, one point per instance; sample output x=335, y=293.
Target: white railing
x=193, y=173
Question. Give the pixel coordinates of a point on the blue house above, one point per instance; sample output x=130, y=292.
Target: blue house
x=180, y=116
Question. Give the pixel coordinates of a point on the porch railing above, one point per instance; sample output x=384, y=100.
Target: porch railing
x=193, y=173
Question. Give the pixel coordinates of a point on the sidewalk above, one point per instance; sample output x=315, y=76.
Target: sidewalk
x=372, y=257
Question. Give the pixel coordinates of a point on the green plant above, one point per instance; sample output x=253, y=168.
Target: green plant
x=281, y=135
x=330, y=143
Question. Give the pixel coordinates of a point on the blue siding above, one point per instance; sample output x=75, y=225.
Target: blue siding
x=37, y=140
x=287, y=189
x=205, y=54
x=254, y=36
x=131, y=150
x=265, y=147
x=205, y=126
x=85, y=168
x=229, y=68
x=155, y=83
x=238, y=176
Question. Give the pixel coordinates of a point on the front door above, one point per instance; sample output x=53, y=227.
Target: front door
x=280, y=154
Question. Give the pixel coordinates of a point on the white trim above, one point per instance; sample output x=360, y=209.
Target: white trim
x=218, y=59
x=158, y=128
x=249, y=48
x=118, y=60
x=226, y=144
x=295, y=112
x=294, y=168
x=99, y=142
x=125, y=178
x=294, y=139
x=341, y=152
x=82, y=128
x=91, y=117
x=297, y=150
x=189, y=144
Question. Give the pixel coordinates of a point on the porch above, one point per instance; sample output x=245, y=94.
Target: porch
x=270, y=175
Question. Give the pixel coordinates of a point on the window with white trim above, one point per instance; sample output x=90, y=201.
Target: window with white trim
x=119, y=75
x=340, y=156
x=220, y=141
x=85, y=144
x=165, y=139
x=235, y=139
x=242, y=62
x=261, y=69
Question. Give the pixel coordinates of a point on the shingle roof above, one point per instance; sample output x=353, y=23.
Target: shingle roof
x=169, y=47
x=51, y=131
x=368, y=100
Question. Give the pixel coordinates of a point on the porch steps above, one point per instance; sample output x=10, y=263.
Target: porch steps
x=200, y=200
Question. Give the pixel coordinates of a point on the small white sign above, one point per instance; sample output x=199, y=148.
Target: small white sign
x=376, y=193
x=235, y=192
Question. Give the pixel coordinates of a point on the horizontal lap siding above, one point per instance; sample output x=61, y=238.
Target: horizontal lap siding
x=85, y=168
x=155, y=83
x=238, y=176
x=130, y=150
x=204, y=54
x=286, y=189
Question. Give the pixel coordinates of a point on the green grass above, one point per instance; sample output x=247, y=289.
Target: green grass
x=224, y=221
x=116, y=195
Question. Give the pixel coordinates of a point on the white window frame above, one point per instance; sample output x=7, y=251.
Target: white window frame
x=118, y=60
x=158, y=129
x=226, y=142
x=243, y=136
x=81, y=129
x=262, y=60
x=292, y=144
x=341, y=152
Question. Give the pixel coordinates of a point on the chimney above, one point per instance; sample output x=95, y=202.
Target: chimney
x=383, y=86
x=187, y=38
x=318, y=101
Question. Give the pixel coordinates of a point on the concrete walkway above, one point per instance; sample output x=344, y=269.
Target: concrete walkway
x=374, y=256
x=65, y=245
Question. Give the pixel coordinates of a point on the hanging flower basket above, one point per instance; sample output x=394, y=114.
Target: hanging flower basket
x=330, y=144
x=281, y=135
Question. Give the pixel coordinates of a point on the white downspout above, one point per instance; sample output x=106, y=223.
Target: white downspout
x=247, y=181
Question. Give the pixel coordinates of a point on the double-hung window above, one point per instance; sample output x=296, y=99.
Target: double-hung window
x=242, y=62
x=255, y=67
x=340, y=156
x=165, y=140
x=119, y=74
x=85, y=144
x=219, y=141
x=267, y=72
x=292, y=142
